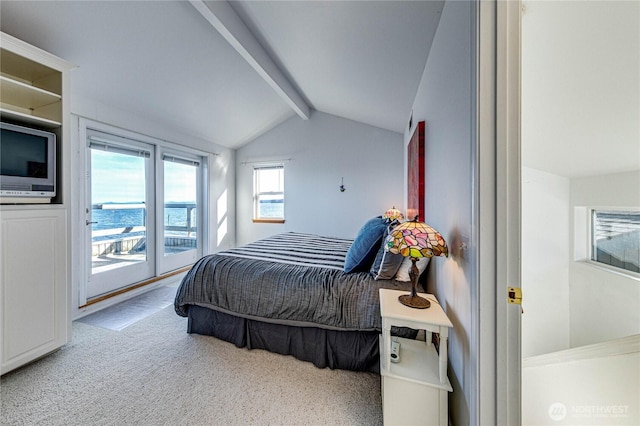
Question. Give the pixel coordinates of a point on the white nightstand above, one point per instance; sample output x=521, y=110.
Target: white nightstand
x=414, y=390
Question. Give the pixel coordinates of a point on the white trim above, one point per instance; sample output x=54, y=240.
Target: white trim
x=36, y=54
x=611, y=269
x=257, y=194
x=508, y=212
x=622, y=346
x=484, y=325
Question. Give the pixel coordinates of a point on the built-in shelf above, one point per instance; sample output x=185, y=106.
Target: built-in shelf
x=15, y=92
x=30, y=71
x=35, y=315
x=27, y=118
x=419, y=364
x=30, y=92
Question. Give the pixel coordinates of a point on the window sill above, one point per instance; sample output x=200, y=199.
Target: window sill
x=612, y=270
x=268, y=220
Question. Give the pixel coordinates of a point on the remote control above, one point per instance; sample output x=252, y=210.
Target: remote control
x=395, y=351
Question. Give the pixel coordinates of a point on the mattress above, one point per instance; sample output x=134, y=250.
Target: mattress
x=292, y=279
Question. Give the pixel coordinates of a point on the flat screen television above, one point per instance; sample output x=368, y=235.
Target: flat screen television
x=27, y=162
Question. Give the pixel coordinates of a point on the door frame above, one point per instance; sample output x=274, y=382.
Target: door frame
x=497, y=202
x=508, y=211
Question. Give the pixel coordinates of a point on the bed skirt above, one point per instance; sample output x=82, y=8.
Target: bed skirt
x=346, y=350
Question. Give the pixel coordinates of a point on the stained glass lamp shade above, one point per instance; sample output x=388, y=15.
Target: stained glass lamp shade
x=393, y=214
x=415, y=240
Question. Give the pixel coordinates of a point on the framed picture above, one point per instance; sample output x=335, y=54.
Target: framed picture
x=415, y=174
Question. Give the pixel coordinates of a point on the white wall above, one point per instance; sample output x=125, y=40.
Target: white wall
x=604, y=305
x=580, y=117
x=545, y=262
x=570, y=303
x=581, y=86
x=444, y=100
x=323, y=149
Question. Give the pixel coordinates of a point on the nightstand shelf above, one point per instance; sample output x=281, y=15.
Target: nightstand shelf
x=414, y=390
x=414, y=353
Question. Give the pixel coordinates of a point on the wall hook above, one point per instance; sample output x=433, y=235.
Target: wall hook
x=342, y=188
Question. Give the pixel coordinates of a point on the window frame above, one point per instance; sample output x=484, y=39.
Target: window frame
x=590, y=252
x=256, y=193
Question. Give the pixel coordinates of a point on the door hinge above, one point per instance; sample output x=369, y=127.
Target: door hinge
x=514, y=295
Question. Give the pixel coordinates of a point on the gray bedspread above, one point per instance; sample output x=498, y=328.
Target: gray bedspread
x=291, y=278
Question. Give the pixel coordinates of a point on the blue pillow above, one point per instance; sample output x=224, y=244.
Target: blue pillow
x=386, y=264
x=363, y=250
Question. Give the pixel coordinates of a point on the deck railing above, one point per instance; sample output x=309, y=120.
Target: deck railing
x=132, y=239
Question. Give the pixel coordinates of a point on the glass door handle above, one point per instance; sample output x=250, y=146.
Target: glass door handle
x=89, y=223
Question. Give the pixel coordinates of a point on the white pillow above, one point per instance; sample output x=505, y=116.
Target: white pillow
x=403, y=272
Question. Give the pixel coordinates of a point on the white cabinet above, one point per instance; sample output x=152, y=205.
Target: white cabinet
x=415, y=389
x=34, y=244
x=34, y=286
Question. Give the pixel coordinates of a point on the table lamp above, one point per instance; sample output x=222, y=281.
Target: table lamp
x=393, y=214
x=415, y=239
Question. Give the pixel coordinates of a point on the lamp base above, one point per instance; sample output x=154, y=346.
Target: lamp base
x=416, y=302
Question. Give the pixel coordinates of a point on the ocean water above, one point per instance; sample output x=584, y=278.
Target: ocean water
x=122, y=218
x=272, y=209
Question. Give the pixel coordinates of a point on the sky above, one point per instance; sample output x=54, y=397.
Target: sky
x=119, y=178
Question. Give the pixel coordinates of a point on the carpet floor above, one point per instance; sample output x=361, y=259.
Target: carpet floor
x=123, y=314
x=154, y=373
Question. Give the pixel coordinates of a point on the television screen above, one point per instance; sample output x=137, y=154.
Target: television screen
x=27, y=162
x=23, y=154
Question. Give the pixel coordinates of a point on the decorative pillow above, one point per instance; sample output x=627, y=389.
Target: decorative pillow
x=386, y=264
x=403, y=271
x=363, y=250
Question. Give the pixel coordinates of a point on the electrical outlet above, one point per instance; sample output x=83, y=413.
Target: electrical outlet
x=395, y=352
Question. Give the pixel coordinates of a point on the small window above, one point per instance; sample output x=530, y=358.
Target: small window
x=268, y=193
x=615, y=239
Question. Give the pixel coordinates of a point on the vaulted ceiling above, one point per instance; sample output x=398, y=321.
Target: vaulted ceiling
x=228, y=72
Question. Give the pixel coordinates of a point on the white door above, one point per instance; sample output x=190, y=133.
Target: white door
x=180, y=178
x=120, y=212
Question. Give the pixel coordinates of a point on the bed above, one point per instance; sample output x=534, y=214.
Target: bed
x=290, y=294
